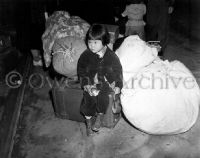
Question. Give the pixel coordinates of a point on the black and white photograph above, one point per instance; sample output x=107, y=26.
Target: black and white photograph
x=99, y=78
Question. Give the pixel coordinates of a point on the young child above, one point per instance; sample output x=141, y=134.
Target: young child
x=135, y=10
x=100, y=73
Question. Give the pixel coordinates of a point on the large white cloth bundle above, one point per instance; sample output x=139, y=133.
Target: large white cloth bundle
x=66, y=54
x=160, y=98
x=136, y=52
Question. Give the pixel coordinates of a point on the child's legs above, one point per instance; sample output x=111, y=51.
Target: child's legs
x=88, y=106
x=103, y=98
x=129, y=31
x=140, y=31
x=102, y=102
x=136, y=30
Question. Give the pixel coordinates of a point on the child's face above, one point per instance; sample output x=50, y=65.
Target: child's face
x=95, y=45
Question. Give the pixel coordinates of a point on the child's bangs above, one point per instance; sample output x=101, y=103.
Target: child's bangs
x=95, y=36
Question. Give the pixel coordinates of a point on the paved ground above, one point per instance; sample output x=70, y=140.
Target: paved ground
x=40, y=134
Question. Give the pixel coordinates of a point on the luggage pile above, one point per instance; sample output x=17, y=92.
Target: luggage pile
x=63, y=40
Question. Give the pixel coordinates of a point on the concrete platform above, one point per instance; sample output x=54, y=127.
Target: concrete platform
x=41, y=135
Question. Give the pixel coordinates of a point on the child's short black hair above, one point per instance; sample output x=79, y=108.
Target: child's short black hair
x=98, y=32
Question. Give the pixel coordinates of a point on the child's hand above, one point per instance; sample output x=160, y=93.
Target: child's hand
x=87, y=88
x=117, y=90
x=91, y=89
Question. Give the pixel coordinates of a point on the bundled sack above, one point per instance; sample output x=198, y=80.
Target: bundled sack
x=66, y=52
x=59, y=26
x=161, y=97
x=136, y=51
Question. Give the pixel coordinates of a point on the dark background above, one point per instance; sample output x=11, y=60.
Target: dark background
x=27, y=16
